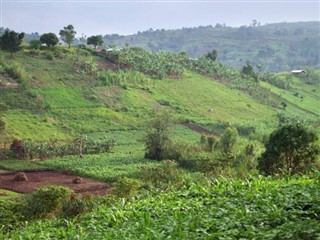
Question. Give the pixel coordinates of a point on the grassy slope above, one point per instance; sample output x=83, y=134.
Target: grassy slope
x=67, y=103
x=302, y=97
x=60, y=102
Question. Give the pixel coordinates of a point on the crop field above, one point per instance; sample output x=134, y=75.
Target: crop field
x=256, y=208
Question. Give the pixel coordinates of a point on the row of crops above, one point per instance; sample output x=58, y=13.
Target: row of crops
x=255, y=208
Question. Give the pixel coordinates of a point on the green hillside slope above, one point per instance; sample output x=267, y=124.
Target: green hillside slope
x=79, y=92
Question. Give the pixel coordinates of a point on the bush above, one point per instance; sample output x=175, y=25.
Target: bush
x=77, y=204
x=290, y=149
x=46, y=202
x=49, y=56
x=167, y=174
x=125, y=188
x=35, y=44
x=228, y=140
x=157, y=138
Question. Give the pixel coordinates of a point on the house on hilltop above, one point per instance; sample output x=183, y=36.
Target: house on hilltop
x=298, y=71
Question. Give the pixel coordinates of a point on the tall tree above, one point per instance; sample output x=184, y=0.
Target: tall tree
x=50, y=39
x=11, y=41
x=212, y=55
x=95, y=41
x=68, y=34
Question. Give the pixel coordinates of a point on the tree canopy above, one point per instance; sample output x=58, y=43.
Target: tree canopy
x=50, y=39
x=11, y=41
x=212, y=55
x=68, y=34
x=95, y=41
x=291, y=149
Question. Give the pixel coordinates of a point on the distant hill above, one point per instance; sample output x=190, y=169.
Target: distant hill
x=276, y=47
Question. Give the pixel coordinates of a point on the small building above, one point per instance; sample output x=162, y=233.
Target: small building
x=297, y=72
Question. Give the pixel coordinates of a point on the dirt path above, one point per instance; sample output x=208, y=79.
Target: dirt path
x=197, y=128
x=42, y=178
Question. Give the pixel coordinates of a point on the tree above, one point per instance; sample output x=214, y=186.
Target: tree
x=35, y=44
x=212, y=55
x=11, y=41
x=228, y=140
x=291, y=148
x=95, y=41
x=68, y=34
x=50, y=39
x=157, y=139
x=248, y=70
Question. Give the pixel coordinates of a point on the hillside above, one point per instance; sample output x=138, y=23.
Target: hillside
x=84, y=119
x=80, y=91
x=277, y=47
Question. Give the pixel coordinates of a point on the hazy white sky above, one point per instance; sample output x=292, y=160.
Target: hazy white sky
x=127, y=17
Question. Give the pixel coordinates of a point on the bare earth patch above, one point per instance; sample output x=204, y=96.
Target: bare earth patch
x=42, y=178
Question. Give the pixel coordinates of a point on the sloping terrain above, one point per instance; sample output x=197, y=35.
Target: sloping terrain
x=76, y=93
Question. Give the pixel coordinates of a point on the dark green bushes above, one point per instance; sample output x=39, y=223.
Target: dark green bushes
x=290, y=149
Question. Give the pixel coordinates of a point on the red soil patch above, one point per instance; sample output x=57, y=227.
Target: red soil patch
x=42, y=178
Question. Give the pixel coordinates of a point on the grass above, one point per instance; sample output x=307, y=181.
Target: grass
x=207, y=94
x=300, y=99
x=6, y=195
x=62, y=97
x=21, y=165
x=21, y=124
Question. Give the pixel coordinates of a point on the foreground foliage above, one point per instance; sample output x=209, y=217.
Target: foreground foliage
x=259, y=208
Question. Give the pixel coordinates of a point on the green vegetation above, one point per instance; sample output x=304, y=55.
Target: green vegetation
x=95, y=41
x=50, y=39
x=98, y=114
x=11, y=41
x=220, y=208
x=276, y=47
x=68, y=34
x=290, y=149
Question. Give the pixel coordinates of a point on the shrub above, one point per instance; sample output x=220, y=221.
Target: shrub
x=46, y=202
x=290, y=149
x=211, y=141
x=35, y=44
x=167, y=174
x=49, y=56
x=228, y=140
x=125, y=188
x=77, y=204
x=157, y=138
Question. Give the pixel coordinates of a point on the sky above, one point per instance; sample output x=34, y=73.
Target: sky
x=93, y=17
